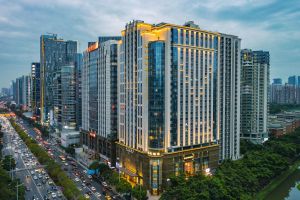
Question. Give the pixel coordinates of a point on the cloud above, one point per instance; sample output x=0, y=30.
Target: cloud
x=269, y=25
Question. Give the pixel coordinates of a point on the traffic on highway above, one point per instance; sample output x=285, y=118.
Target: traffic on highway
x=89, y=186
x=38, y=184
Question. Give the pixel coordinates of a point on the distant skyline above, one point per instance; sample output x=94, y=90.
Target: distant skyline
x=270, y=25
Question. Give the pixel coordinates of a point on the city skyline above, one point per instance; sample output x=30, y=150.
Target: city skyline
x=272, y=28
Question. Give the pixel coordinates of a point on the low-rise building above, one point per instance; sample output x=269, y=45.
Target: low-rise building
x=283, y=123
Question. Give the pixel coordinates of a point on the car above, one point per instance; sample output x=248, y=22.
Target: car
x=27, y=188
x=104, y=184
x=76, y=179
x=32, y=172
x=83, y=185
x=89, y=176
x=85, y=171
x=109, y=188
x=116, y=196
x=35, y=177
x=59, y=194
x=88, y=183
x=107, y=197
x=98, y=195
x=39, y=184
x=53, y=195
x=93, y=189
x=66, y=164
x=86, y=196
x=40, y=176
x=50, y=183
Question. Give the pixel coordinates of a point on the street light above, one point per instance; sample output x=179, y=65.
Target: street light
x=18, y=189
x=118, y=166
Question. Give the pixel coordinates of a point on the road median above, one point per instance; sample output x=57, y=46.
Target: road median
x=54, y=170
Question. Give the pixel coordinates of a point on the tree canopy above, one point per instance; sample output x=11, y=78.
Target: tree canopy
x=240, y=179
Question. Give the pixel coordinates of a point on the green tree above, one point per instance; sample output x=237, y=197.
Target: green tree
x=54, y=170
x=95, y=165
x=8, y=163
x=240, y=179
x=139, y=192
x=123, y=186
x=70, y=150
x=8, y=187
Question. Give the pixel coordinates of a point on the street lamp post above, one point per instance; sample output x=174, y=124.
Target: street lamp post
x=118, y=159
x=18, y=189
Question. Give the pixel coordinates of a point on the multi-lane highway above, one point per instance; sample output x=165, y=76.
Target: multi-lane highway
x=89, y=187
x=37, y=182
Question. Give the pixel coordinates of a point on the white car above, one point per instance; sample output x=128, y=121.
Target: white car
x=76, y=179
x=86, y=196
x=59, y=194
x=53, y=195
x=104, y=184
x=98, y=195
x=93, y=189
x=35, y=178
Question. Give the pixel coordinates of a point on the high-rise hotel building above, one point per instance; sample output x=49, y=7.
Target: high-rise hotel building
x=255, y=72
x=99, y=98
x=173, y=92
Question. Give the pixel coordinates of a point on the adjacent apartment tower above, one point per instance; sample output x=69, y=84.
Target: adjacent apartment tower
x=228, y=96
x=99, y=98
x=23, y=90
x=255, y=67
x=178, y=92
x=57, y=57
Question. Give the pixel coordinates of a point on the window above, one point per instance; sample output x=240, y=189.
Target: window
x=187, y=42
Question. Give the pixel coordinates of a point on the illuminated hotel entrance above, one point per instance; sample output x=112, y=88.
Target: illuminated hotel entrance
x=189, y=168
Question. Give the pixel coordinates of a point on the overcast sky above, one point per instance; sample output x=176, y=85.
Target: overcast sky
x=271, y=25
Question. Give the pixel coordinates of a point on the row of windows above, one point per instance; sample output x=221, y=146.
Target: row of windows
x=194, y=38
